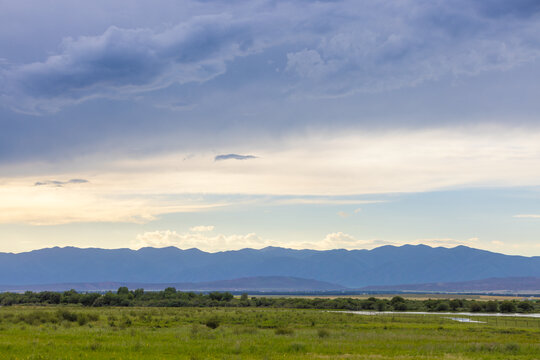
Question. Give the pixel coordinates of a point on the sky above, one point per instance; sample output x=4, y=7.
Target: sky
x=303, y=124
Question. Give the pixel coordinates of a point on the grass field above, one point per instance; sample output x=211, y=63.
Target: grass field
x=244, y=333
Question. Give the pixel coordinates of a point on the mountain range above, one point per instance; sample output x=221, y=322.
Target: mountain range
x=386, y=265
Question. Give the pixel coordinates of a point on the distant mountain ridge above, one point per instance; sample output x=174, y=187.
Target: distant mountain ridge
x=510, y=284
x=256, y=284
x=386, y=265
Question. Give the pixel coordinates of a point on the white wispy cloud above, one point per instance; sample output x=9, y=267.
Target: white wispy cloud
x=529, y=216
x=445, y=242
x=201, y=228
x=334, y=240
x=199, y=240
x=323, y=169
x=46, y=205
x=222, y=242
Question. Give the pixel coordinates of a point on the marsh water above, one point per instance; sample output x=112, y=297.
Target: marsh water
x=442, y=313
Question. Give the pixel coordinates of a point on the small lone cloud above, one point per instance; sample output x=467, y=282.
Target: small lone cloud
x=234, y=157
x=57, y=183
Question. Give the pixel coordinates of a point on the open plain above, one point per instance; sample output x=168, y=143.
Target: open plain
x=69, y=332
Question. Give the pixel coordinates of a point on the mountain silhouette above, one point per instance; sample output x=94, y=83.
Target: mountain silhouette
x=386, y=265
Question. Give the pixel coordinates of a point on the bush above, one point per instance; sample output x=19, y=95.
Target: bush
x=442, y=307
x=492, y=306
x=455, y=304
x=475, y=307
x=284, y=331
x=297, y=347
x=82, y=319
x=322, y=333
x=507, y=307
x=525, y=306
x=64, y=314
x=212, y=323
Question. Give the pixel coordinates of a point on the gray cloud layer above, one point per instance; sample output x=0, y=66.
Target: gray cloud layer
x=195, y=75
x=126, y=61
x=335, y=48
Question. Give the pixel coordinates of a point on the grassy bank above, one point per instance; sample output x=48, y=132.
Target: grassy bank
x=64, y=332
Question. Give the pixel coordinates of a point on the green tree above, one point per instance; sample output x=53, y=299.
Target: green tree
x=169, y=292
x=492, y=306
x=455, y=304
x=123, y=290
x=525, y=306
x=475, y=307
x=507, y=306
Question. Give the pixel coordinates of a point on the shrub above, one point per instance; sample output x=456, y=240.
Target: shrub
x=507, y=306
x=492, y=306
x=455, y=304
x=512, y=347
x=297, y=347
x=284, y=331
x=322, y=333
x=82, y=319
x=442, y=307
x=525, y=306
x=212, y=323
x=64, y=314
x=475, y=307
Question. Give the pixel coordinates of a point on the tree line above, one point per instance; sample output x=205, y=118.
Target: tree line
x=170, y=297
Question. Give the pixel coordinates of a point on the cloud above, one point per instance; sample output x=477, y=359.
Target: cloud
x=234, y=157
x=334, y=240
x=324, y=200
x=528, y=216
x=201, y=228
x=127, y=61
x=345, y=214
x=332, y=48
x=199, y=240
x=222, y=242
x=393, y=45
x=446, y=242
x=58, y=183
x=38, y=205
x=326, y=169
x=341, y=240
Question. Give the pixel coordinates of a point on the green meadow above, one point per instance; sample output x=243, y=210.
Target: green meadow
x=70, y=332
